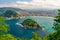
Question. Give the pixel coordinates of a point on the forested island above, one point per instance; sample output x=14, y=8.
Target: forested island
x=29, y=23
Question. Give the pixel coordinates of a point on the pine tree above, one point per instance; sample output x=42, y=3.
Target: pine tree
x=57, y=22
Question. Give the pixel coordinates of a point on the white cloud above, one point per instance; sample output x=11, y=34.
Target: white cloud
x=20, y=2
x=47, y=2
x=8, y=5
x=41, y=4
x=52, y=4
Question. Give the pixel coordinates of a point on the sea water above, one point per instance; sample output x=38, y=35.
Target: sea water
x=17, y=30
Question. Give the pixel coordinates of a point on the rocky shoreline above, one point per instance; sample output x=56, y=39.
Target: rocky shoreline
x=29, y=27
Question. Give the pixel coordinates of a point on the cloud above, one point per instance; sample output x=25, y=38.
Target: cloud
x=20, y=2
x=8, y=5
x=41, y=4
x=34, y=4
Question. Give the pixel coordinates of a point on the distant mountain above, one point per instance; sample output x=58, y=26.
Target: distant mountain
x=32, y=12
x=3, y=9
x=39, y=12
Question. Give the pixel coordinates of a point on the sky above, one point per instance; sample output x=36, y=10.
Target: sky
x=31, y=4
x=11, y=1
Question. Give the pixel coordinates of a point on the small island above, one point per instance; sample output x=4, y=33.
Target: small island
x=29, y=23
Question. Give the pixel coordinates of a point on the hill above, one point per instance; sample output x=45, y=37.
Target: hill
x=23, y=12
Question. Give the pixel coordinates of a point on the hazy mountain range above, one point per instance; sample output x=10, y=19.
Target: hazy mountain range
x=31, y=12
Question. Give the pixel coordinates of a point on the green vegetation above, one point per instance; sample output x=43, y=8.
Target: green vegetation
x=57, y=22
x=7, y=37
x=3, y=27
x=10, y=13
x=56, y=35
x=29, y=23
x=36, y=36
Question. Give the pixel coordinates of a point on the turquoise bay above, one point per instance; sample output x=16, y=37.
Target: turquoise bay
x=45, y=22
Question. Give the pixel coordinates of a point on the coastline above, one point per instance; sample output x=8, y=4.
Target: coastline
x=37, y=16
x=42, y=16
x=27, y=16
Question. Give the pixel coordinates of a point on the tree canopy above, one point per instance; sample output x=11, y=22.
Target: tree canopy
x=36, y=36
x=30, y=22
x=57, y=22
x=3, y=26
x=55, y=35
x=10, y=13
